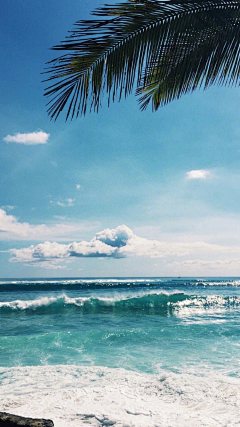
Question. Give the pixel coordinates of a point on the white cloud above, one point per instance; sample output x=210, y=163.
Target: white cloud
x=198, y=174
x=63, y=202
x=78, y=186
x=211, y=264
x=11, y=228
x=111, y=243
x=8, y=207
x=117, y=237
x=105, y=244
x=33, y=138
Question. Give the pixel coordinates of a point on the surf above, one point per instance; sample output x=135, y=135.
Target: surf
x=153, y=303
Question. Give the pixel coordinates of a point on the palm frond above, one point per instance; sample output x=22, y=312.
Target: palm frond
x=213, y=58
x=165, y=48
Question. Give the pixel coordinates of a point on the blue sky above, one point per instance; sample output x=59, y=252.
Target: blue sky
x=140, y=193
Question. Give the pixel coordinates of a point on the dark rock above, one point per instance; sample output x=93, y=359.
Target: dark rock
x=9, y=420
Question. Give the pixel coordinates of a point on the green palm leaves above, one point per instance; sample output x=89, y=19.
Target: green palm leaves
x=163, y=48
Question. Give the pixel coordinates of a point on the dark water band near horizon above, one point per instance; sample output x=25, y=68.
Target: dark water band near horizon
x=125, y=352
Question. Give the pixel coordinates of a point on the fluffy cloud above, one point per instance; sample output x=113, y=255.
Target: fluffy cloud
x=112, y=243
x=11, y=228
x=33, y=138
x=105, y=244
x=117, y=237
x=198, y=174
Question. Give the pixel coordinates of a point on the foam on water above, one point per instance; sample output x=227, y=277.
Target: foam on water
x=114, y=283
x=157, y=302
x=98, y=396
x=122, y=352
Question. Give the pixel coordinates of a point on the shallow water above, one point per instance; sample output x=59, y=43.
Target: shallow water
x=122, y=352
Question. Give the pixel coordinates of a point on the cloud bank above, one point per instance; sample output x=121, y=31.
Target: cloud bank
x=198, y=174
x=111, y=243
x=211, y=264
x=33, y=138
x=12, y=228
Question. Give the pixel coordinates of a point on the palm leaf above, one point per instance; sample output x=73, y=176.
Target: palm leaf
x=213, y=59
x=165, y=48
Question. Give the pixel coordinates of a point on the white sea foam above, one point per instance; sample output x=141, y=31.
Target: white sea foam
x=78, y=301
x=232, y=282
x=96, y=396
x=30, y=304
x=189, y=305
x=43, y=302
x=225, y=282
x=212, y=305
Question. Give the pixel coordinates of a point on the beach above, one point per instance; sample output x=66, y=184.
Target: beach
x=124, y=352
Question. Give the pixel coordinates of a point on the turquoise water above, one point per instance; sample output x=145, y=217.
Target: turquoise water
x=162, y=329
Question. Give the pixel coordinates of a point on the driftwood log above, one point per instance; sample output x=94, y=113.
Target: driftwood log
x=9, y=420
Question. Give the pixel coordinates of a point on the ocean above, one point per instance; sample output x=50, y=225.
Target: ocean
x=123, y=352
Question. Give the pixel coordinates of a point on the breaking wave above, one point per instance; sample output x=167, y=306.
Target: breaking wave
x=161, y=303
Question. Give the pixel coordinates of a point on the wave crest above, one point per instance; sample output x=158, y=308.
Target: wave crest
x=151, y=303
